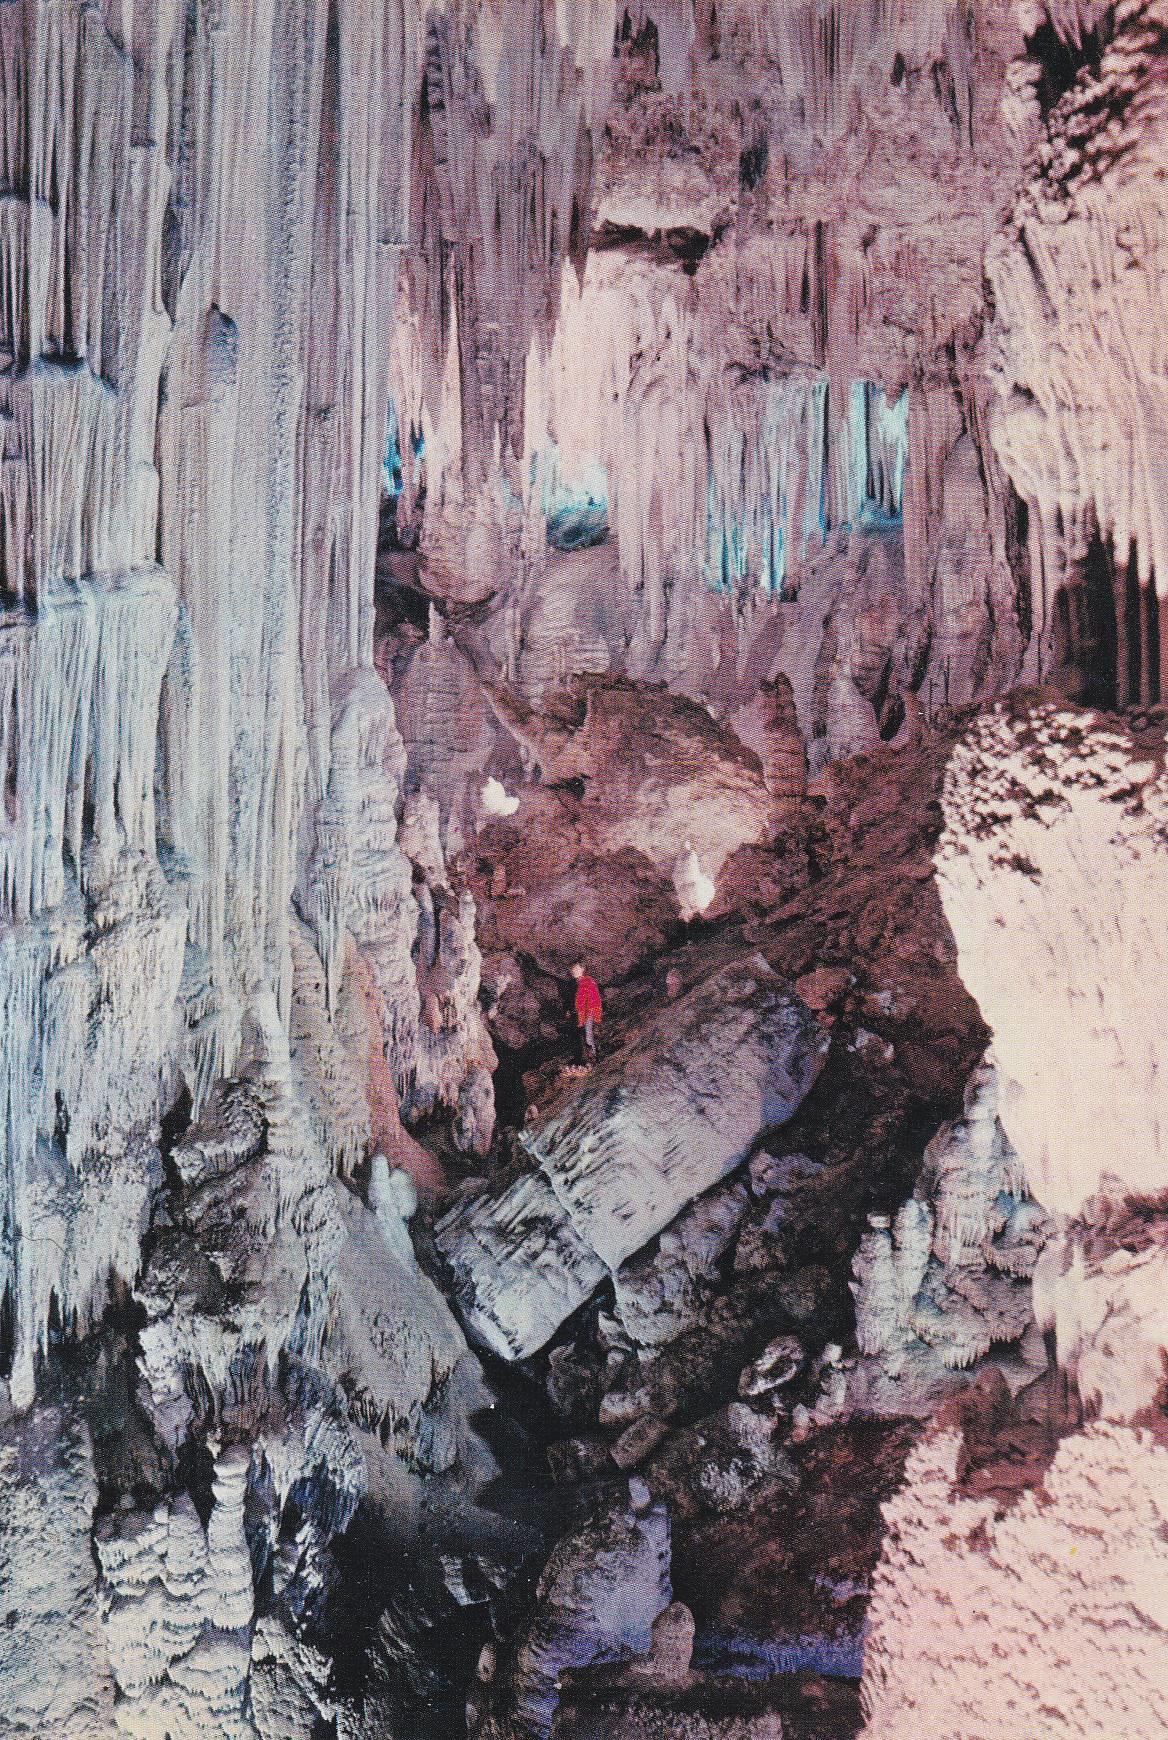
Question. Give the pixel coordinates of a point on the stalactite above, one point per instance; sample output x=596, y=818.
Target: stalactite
x=783, y=459
x=934, y=425
x=1081, y=380
x=497, y=207
x=825, y=49
x=190, y=444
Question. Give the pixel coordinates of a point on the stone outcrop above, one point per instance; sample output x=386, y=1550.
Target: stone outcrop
x=1053, y=826
x=598, y=1598
x=657, y=773
x=948, y=1278
x=48, y=1492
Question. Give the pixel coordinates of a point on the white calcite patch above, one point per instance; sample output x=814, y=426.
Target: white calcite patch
x=694, y=889
x=1050, y=869
x=496, y=800
x=55, y=1673
x=176, y=1610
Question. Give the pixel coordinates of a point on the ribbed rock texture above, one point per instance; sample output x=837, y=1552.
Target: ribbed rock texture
x=1053, y=851
x=649, y=1131
x=202, y=207
x=806, y=358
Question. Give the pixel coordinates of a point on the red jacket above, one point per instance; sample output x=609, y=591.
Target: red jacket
x=588, y=1005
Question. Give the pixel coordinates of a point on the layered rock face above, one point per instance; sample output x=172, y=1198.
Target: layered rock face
x=155, y=560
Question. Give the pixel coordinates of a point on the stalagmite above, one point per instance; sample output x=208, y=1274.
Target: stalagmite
x=947, y=1280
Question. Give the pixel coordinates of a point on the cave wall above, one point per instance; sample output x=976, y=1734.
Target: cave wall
x=815, y=342
x=830, y=293
x=1052, y=849
x=768, y=353
x=203, y=211
x=181, y=394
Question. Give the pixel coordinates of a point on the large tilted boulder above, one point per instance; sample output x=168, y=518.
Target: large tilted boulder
x=656, y=1124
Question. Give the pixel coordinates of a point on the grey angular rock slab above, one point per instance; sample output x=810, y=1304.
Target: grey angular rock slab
x=654, y=1126
x=519, y=1267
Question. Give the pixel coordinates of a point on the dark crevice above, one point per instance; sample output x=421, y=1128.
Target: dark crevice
x=752, y=164
x=680, y=246
x=1061, y=62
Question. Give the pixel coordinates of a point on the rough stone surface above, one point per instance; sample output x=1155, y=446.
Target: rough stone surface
x=599, y=1595
x=1048, y=869
x=647, y=1132
x=47, y=1496
x=1058, y=1604
x=806, y=358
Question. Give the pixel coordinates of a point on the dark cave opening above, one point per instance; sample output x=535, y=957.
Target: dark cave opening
x=1141, y=647
x=1083, y=631
x=11, y=769
x=1107, y=649
x=1061, y=61
x=680, y=245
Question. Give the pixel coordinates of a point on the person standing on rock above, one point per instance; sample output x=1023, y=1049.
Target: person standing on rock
x=589, y=1011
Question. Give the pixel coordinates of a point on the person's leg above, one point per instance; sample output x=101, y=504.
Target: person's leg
x=589, y=1039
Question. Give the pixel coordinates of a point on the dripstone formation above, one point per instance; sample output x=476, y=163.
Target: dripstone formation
x=487, y=484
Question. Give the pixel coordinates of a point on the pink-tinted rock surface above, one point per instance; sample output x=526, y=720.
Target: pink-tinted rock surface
x=495, y=483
